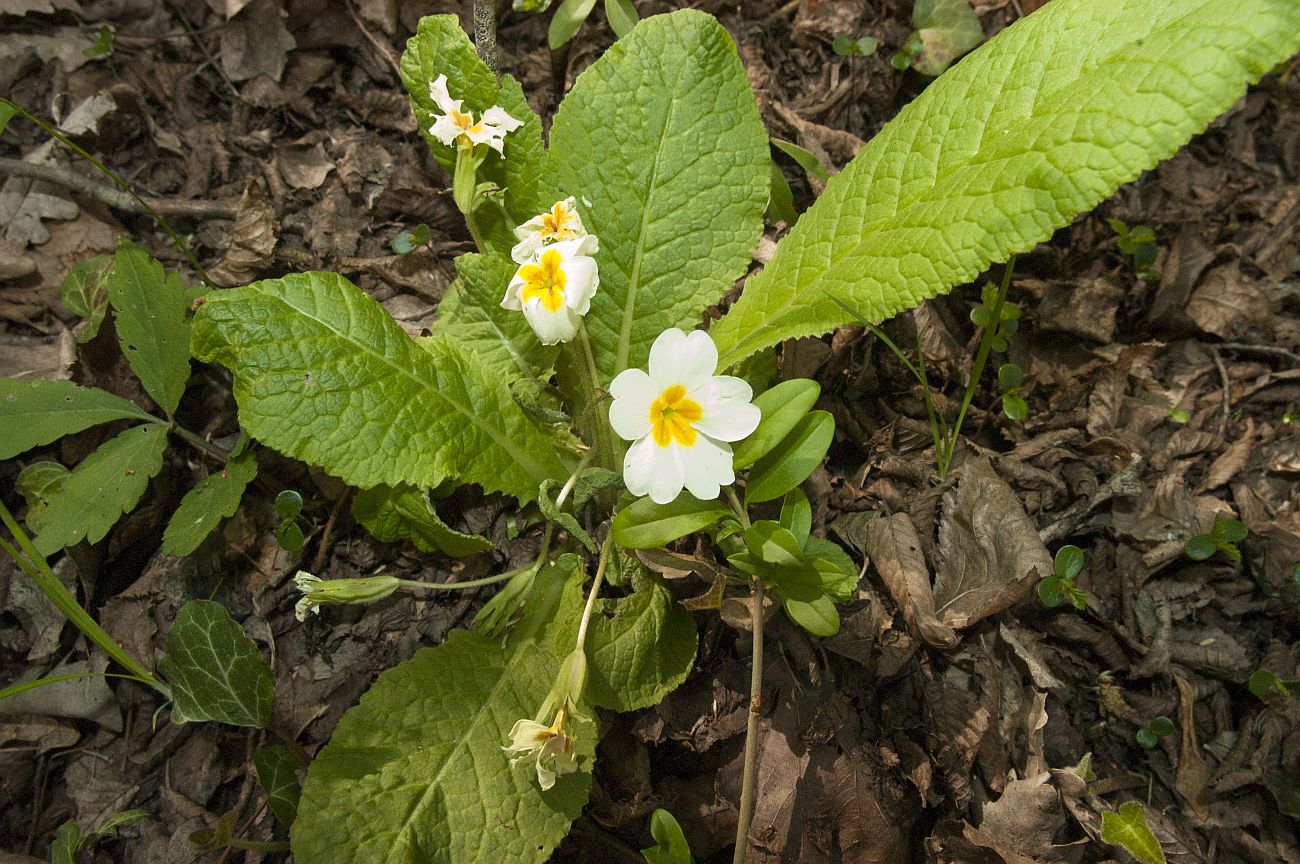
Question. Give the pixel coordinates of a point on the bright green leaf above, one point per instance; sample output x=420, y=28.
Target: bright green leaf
x=66, y=846
x=84, y=291
x=670, y=843
x=622, y=16
x=780, y=206
x=8, y=111
x=398, y=513
x=1229, y=530
x=277, y=770
x=39, y=482
x=567, y=19
x=107, y=483
x=1128, y=828
x=408, y=241
x=289, y=536
x=1050, y=592
x=807, y=161
x=817, y=616
x=149, y=314
x=324, y=374
x=215, y=671
x=947, y=29
x=789, y=463
x=646, y=525
x=796, y=515
x=1003, y=149
x=37, y=412
x=1015, y=406
x=1068, y=562
x=773, y=544
x=838, y=572
x=678, y=191
x=212, y=499
x=781, y=408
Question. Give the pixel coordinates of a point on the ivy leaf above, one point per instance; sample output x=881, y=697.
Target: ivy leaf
x=84, y=292
x=1129, y=828
x=215, y=671
x=212, y=499
x=671, y=114
x=947, y=29
x=415, y=773
x=149, y=316
x=107, y=483
x=1002, y=150
x=277, y=770
x=37, y=412
x=394, y=513
x=325, y=375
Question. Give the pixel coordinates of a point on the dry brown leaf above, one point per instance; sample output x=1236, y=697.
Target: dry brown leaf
x=303, y=167
x=1026, y=817
x=992, y=555
x=1193, y=776
x=1229, y=304
x=869, y=815
x=40, y=734
x=1085, y=308
x=252, y=240
x=1023, y=644
x=25, y=203
x=255, y=42
x=895, y=549
x=1231, y=460
x=420, y=271
x=20, y=8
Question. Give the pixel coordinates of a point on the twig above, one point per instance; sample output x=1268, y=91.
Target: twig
x=1227, y=389
x=116, y=198
x=485, y=34
x=207, y=448
x=290, y=742
x=1267, y=350
x=385, y=51
x=322, y=548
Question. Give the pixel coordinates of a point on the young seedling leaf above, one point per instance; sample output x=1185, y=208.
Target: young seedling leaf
x=670, y=843
x=1229, y=530
x=288, y=504
x=780, y=206
x=212, y=499
x=324, y=374
x=789, y=463
x=37, y=412
x=408, y=241
x=277, y=770
x=393, y=514
x=84, y=291
x=1068, y=562
x=622, y=16
x=215, y=671
x=781, y=409
x=566, y=21
x=8, y=111
x=643, y=524
x=1128, y=828
x=107, y=483
x=1018, y=147
x=289, y=535
x=947, y=29
x=1050, y=592
x=671, y=113
x=807, y=161
x=1199, y=547
x=149, y=314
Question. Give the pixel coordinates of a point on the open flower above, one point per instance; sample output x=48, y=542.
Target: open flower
x=561, y=222
x=680, y=417
x=455, y=125
x=317, y=592
x=548, y=746
x=555, y=287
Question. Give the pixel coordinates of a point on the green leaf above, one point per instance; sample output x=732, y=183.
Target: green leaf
x=566, y=21
x=212, y=499
x=8, y=111
x=1128, y=828
x=1068, y=563
x=37, y=412
x=640, y=647
x=416, y=774
x=1010, y=376
x=789, y=463
x=643, y=524
x=781, y=409
x=773, y=544
x=838, y=572
x=149, y=309
x=565, y=521
x=277, y=770
x=393, y=514
x=84, y=291
x=1162, y=726
x=1229, y=530
x=807, y=161
x=1003, y=149
x=1015, y=406
x=780, y=206
x=409, y=241
x=1198, y=547
x=111, y=826
x=796, y=515
x=670, y=843
x=592, y=482
x=947, y=29
x=1050, y=592
x=215, y=671
x=288, y=504
x=1263, y=682
x=817, y=616
x=846, y=47
x=107, y=483
x=289, y=536
x=622, y=16
x=671, y=113
x=1147, y=739
x=39, y=482
x=323, y=374
x=66, y=846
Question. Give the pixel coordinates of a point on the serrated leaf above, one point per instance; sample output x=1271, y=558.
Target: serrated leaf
x=947, y=29
x=1003, y=149
x=38, y=483
x=416, y=774
x=592, y=482
x=277, y=770
x=324, y=374
x=789, y=463
x=643, y=524
x=149, y=314
x=84, y=291
x=212, y=499
x=671, y=114
x=37, y=412
x=1129, y=828
x=215, y=671
x=398, y=513
x=107, y=483
x=566, y=521
x=781, y=409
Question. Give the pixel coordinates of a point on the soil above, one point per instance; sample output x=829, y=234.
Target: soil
x=276, y=136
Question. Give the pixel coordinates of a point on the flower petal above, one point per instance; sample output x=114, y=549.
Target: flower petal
x=582, y=278
x=445, y=130
x=649, y=469
x=441, y=98
x=527, y=246
x=511, y=300
x=680, y=358
x=706, y=467
x=728, y=412
x=551, y=327
x=498, y=117
x=528, y=735
x=629, y=413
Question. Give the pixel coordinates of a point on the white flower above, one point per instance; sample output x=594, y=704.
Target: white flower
x=680, y=417
x=554, y=289
x=454, y=124
x=561, y=222
x=548, y=745
x=317, y=591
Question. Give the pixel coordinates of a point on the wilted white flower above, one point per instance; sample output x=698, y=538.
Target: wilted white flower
x=317, y=591
x=548, y=746
x=680, y=417
x=454, y=124
x=561, y=222
x=555, y=288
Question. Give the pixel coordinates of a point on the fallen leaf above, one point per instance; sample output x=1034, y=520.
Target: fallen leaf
x=252, y=240
x=1026, y=817
x=25, y=203
x=20, y=8
x=1229, y=304
x=1231, y=460
x=1193, y=777
x=255, y=42
x=895, y=550
x=948, y=29
x=303, y=166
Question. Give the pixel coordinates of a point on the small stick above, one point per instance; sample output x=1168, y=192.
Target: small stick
x=485, y=34
x=113, y=197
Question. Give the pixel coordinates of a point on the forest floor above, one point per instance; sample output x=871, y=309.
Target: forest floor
x=280, y=139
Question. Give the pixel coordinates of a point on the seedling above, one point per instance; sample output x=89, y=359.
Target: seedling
x=103, y=44
x=288, y=505
x=1061, y=585
x=994, y=308
x=1149, y=736
x=945, y=30
x=1264, y=683
x=1179, y=415
x=906, y=56
x=1139, y=243
x=670, y=843
x=847, y=46
x=1010, y=378
x=569, y=16
x=410, y=240
x=1223, y=537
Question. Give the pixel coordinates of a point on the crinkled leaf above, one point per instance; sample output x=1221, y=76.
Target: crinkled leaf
x=592, y=482
x=415, y=774
x=643, y=524
x=394, y=513
x=324, y=374
x=1003, y=149
x=680, y=183
x=107, y=483
x=84, y=291
x=1129, y=828
x=566, y=521
x=39, y=482
x=215, y=671
x=149, y=314
x=37, y=412
x=212, y=499
x=277, y=770
x=947, y=29
x=781, y=409
x=790, y=462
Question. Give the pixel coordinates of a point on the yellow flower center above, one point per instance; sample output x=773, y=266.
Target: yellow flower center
x=545, y=280
x=671, y=416
x=466, y=122
x=555, y=224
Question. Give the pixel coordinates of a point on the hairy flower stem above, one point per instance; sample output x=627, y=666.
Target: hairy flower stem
x=750, y=777
x=585, y=360
x=605, y=551
x=464, y=188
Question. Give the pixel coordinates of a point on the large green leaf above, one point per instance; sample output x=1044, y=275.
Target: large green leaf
x=38, y=412
x=393, y=513
x=212, y=499
x=663, y=137
x=1040, y=123
x=149, y=309
x=107, y=483
x=324, y=374
x=215, y=671
x=415, y=774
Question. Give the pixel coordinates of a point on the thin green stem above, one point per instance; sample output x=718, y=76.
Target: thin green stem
x=474, y=231
x=24, y=686
x=126, y=187
x=750, y=776
x=737, y=507
x=198, y=443
x=461, y=586
x=605, y=551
